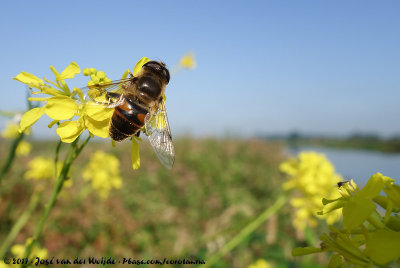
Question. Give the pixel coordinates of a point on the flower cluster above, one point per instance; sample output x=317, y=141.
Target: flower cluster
x=72, y=111
x=64, y=105
x=19, y=250
x=366, y=238
x=103, y=171
x=313, y=177
x=41, y=168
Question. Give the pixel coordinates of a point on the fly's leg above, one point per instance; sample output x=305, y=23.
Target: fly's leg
x=111, y=96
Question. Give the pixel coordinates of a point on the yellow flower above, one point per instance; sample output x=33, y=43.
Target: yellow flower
x=103, y=171
x=188, y=61
x=41, y=168
x=71, y=110
x=64, y=105
x=260, y=264
x=11, y=132
x=18, y=251
x=314, y=178
x=367, y=237
x=23, y=148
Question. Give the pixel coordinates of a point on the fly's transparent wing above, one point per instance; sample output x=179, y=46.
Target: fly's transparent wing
x=159, y=135
x=104, y=94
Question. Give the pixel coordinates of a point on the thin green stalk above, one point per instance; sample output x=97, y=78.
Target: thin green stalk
x=246, y=231
x=33, y=202
x=10, y=159
x=73, y=153
x=56, y=158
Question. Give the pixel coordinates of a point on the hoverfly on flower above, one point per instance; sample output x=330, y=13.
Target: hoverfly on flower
x=119, y=109
x=138, y=103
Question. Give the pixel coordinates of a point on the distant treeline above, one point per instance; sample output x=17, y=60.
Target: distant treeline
x=353, y=141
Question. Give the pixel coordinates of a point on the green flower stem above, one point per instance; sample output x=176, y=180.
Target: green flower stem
x=246, y=231
x=56, y=158
x=73, y=153
x=376, y=220
x=33, y=202
x=11, y=155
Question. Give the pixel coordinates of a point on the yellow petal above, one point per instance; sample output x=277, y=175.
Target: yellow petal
x=55, y=72
x=30, y=117
x=29, y=79
x=61, y=108
x=139, y=65
x=98, y=128
x=125, y=75
x=50, y=91
x=38, y=99
x=135, y=154
x=69, y=131
x=69, y=72
x=98, y=112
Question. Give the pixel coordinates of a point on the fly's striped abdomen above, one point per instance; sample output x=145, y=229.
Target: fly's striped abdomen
x=127, y=119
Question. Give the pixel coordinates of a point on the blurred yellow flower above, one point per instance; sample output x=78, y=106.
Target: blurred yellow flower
x=188, y=61
x=41, y=168
x=103, y=171
x=23, y=148
x=11, y=132
x=260, y=264
x=18, y=251
x=314, y=178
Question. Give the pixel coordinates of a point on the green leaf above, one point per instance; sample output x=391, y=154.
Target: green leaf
x=383, y=246
x=356, y=211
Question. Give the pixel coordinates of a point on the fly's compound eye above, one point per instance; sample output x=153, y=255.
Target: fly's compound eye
x=158, y=67
x=166, y=74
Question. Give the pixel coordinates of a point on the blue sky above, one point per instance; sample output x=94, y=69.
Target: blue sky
x=327, y=67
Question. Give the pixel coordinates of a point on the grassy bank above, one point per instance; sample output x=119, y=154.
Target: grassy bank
x=215, y=188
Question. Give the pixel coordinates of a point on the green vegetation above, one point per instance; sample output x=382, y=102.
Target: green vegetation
x=214, y=190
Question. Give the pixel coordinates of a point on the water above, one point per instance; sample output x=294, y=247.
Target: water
x=358, y=164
